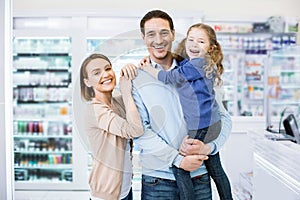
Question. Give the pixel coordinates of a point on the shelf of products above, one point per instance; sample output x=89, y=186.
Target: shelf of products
x=230, y=76
x=283, y=86
x=43, y=142
x=246, y=59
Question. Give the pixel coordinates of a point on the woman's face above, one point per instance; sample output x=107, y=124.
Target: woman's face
x=101, y=76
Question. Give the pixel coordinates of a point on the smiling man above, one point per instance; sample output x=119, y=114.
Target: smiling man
x=164, y=125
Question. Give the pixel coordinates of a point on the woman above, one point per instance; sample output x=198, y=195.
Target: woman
x=109, y=122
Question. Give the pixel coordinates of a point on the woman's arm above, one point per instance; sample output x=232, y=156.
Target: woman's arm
x=132, y=114
x=108, y=120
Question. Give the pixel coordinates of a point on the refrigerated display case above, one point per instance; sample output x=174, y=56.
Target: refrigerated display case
x=42, y=117
x=48, y=155
x=283, y=87
x=47, y=151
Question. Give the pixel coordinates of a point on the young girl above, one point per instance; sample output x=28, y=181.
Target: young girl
x=200, y=68
x=109, y=121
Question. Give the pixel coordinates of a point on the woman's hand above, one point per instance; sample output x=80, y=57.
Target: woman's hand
x=191, y=146
x=129, y=71
x=125, y=85
x=145, y=61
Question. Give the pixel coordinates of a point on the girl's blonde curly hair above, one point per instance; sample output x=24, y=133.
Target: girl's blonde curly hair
x=214, y=56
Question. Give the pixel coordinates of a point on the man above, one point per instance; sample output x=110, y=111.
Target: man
x=162, y=118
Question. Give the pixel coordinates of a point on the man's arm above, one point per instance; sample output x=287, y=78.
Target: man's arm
x=152, y=144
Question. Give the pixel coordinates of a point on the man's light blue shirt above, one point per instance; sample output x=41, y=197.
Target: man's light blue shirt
x=164, y=126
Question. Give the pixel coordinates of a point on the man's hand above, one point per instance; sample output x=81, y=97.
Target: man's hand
x=192, y=162
x=191, y=146
x=129, y=71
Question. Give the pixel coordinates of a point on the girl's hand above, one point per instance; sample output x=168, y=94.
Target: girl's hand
x=191, y=146
x=129, y=71
x=125, y=85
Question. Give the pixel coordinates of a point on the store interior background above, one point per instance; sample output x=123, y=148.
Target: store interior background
x=229, y=10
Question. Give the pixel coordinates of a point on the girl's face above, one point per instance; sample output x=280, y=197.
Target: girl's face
x=101, y=76
x=197, y=43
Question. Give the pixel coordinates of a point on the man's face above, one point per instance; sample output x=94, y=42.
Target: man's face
x=158, y=38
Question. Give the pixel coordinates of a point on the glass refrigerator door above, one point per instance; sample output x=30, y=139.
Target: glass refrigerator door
x=43, y=141
x=283, y=87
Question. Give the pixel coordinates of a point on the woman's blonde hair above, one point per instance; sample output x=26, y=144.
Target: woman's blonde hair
x=214, y=56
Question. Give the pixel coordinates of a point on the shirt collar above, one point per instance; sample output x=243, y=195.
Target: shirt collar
x=158, y=66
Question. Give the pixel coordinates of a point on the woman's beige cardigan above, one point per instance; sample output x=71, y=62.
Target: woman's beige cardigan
x=108, y=130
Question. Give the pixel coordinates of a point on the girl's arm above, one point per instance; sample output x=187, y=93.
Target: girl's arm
x=147, y=67
x=173, y=76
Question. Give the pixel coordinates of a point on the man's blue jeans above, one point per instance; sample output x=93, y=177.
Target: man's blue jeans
x=154, y=188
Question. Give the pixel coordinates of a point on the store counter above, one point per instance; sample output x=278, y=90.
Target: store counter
x=276, y=173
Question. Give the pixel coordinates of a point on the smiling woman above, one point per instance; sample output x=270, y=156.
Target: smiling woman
x=109, y=123
x=97, y=78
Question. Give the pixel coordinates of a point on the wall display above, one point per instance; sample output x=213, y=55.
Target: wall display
x=246, y=59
